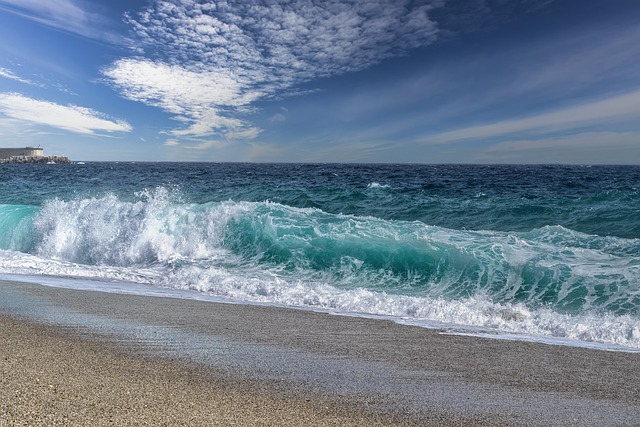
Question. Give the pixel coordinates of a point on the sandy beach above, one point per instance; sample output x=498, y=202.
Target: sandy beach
x=71, y=357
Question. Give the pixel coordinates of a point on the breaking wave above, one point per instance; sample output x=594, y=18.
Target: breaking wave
x=550, y=281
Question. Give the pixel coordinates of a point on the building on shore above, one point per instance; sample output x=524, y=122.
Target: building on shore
x=7, y=153
x=29, y=155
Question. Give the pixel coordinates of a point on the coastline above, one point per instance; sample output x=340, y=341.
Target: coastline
x=20, y=160
x=192, y=362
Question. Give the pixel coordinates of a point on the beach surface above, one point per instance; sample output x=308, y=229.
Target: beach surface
x=78, y=357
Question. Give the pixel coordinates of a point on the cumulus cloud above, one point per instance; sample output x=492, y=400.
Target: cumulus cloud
x=71, y=118
x=196, y=98
x=207, y=63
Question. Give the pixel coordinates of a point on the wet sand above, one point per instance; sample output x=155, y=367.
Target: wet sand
x=70, y=357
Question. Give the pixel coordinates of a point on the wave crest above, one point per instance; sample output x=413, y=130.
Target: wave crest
x=108, y=231
x=550, y=280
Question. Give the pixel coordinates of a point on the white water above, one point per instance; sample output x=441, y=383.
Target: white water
x=156, y=245
x=476, y=316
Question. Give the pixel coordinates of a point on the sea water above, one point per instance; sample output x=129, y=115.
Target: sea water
x=519, y=252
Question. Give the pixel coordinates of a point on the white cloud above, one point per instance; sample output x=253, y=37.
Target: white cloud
x=214, y=60
x=199, y=99
x=278, y=43
x=171, y=87
x=53, y=12
x=615, y=109
x=71, y=118
x=578, y=60
x=250, y=133
x=205, y=145
x=68, y=15
x=581, y=148
x=8, y=74
x=278, y=118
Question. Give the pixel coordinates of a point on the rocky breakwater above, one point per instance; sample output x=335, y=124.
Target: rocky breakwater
x=34, y=159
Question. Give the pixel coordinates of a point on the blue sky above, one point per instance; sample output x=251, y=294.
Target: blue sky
x=433, y=81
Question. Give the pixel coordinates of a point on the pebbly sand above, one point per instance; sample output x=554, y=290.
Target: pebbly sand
x=71, y=357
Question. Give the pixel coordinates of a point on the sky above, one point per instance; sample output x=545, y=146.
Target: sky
x=368, y=81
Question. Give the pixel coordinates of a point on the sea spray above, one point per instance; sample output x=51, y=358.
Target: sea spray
x=548, y=280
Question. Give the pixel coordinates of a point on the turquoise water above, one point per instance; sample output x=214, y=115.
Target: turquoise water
x=550, y=251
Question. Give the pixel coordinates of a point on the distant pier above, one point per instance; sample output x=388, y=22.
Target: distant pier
x=29, y=155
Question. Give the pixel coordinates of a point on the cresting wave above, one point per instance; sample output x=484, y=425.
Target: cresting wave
x=550, y=281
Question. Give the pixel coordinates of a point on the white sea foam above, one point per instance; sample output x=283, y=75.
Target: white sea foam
x=474, y=315
x=377, y=185
x=274, y=254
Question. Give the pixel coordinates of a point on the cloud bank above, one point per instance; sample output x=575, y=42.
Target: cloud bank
x=207, y=64
x=71, y=118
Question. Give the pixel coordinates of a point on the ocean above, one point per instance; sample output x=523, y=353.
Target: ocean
x=543, y=253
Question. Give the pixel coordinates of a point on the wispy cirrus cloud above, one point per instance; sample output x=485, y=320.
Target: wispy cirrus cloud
x=73, y=16
x=207, y=63
x=8, y=74
x=70, y=118
x=580, y=148
x=602, y=112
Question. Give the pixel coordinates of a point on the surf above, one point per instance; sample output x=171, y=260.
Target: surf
x=549, y=281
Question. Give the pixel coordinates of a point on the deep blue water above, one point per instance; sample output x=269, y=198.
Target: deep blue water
x=542, y=250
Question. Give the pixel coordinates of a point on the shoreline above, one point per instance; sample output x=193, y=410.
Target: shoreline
x=363, y=371
x=145, y=290
x=50, y=377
